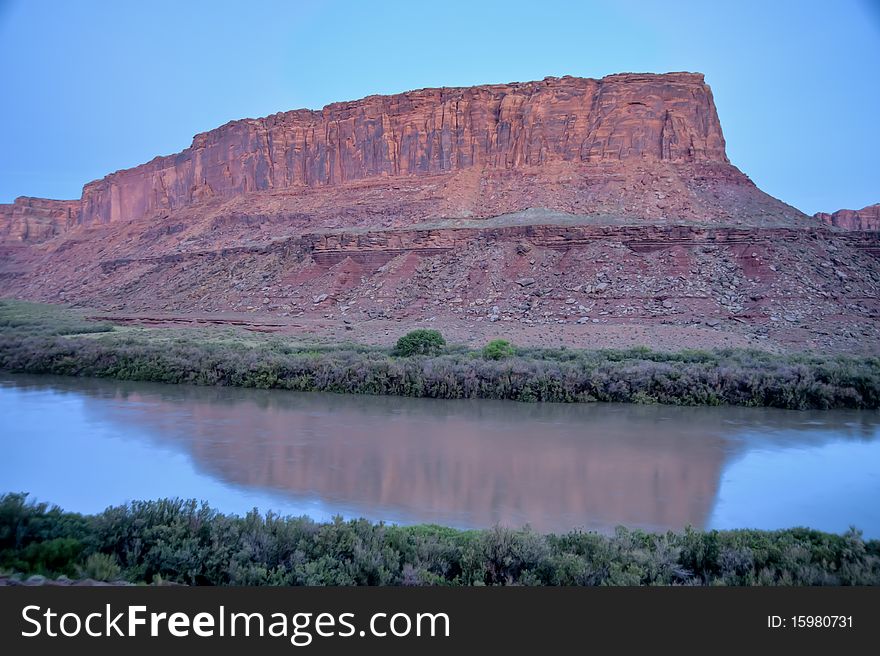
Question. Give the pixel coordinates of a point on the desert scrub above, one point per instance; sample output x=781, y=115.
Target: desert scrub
x=188, y=542
x=732, y=378
x=720, y=377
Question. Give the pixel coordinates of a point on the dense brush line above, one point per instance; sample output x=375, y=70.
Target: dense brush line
x=187, y=542
x=44, y=339
x=716, y=378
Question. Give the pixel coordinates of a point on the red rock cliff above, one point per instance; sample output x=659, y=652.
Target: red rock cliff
x=667, y=117
x=36, y=219
x=867, y=218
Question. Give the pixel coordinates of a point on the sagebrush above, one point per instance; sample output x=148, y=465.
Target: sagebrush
x=720, y=377
x=188, y=542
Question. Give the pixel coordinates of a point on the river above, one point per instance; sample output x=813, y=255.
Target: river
x=85, y=444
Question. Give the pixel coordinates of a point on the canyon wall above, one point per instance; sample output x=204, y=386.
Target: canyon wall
x=36, y=219
x=867, y=218
x=668, y=117
x=565, y=201
x=641, y=118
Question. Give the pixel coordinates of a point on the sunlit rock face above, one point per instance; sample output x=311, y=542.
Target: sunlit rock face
x=37, y=219
x=572, y=144
x=866, y=219
x=668, y=118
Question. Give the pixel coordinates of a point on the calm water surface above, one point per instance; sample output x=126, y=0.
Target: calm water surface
x=86, y=444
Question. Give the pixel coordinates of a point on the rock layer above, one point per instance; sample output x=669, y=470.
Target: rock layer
x=669, y=117
x=606, y=139
x=867, y=218
x=37, y=219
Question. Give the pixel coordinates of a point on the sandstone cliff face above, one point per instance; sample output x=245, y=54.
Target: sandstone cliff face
x=613, y=198
x=36, y=219
x=670, y=117
x=867, y=218
x=642, y=118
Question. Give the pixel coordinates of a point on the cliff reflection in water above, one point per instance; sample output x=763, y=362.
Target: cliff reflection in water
x=466, y=463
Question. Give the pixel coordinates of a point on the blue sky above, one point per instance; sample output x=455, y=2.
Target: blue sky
x=90, y=87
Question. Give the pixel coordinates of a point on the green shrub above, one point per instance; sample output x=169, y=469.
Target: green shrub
x=420, y=342
x=51, y=556
x=183, y=541
x=101, y=567
x=498, y=349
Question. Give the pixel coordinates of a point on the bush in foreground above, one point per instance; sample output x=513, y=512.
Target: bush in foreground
x=188, y=542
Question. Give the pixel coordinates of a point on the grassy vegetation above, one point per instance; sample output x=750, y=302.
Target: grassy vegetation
x=37, y=319
x=187, y=542
x=44, y=339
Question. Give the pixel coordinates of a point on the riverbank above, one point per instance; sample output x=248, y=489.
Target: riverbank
x=48, y=339
x=182, y=541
